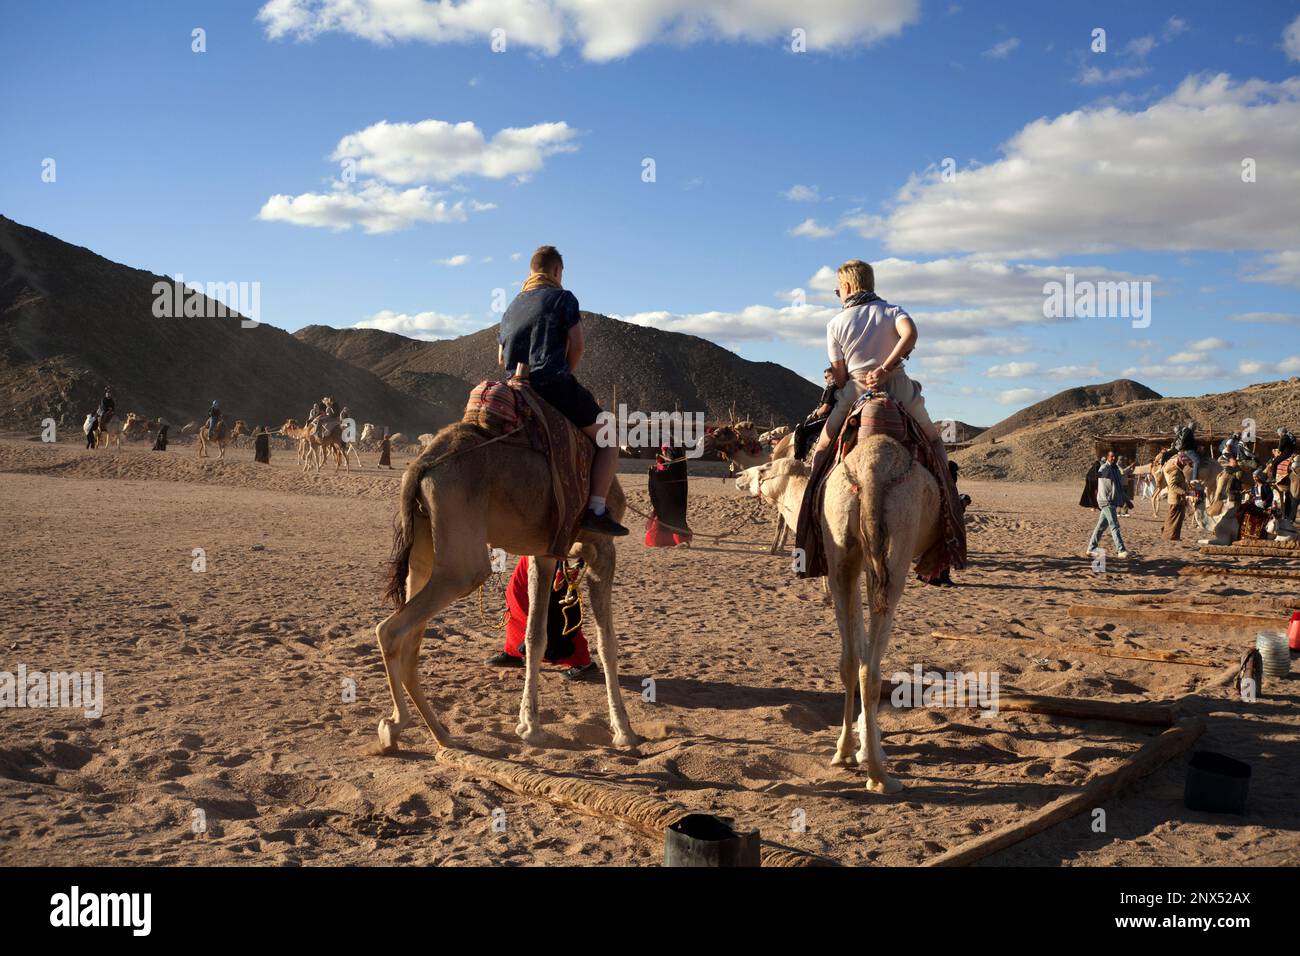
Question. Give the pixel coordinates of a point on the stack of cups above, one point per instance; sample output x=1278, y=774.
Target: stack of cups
x=1275, y=651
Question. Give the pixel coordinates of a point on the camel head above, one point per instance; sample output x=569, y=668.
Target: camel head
x=750, y=480
x=723, y=440
x=241, y=428
x=290, y=425
x=367, y=432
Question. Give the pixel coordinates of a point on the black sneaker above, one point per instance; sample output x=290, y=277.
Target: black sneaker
x=504, y=660
x=602, y=524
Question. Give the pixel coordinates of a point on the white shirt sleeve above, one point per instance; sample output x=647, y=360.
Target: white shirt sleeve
x=834, y=350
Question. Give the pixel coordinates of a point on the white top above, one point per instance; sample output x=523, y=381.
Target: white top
x=862, y=336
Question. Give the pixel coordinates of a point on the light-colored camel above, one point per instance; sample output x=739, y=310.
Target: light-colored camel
x=781, y=482
x=457, y=500
x=881, y=511
x=108, y=434
x=774, y=435
x=225, y=434
x=137, y=428
x=312, y=450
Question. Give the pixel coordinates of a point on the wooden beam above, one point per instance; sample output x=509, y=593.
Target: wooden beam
x=1076, y=708
x=1251, y=551
x=1175, y=616
x=1152, y=755
x=1232, y=569
x=1141, y=654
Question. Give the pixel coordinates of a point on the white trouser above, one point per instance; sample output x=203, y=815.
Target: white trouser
x=897, y=386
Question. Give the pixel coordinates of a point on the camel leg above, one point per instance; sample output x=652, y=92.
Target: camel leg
x=871, y=752
x=401, y=633
x=779, y=540
x=600, y=591
x=541, y=574
x=844, y=583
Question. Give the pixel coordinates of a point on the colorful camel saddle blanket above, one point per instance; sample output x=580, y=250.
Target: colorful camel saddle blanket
x=500, y=408
x=877, y=414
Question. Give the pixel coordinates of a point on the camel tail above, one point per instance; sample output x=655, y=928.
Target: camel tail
x=403, y=537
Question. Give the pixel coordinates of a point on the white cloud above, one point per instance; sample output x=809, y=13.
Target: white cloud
x=1171, y=372
x=1013, y=370
x=1000, y=51
x=604, y=30
x=1273, y=318
x=1288, y=366
x=811, y=229
x=437, y=151
x=1282, y=268
x=374, y=207
x=1098, y=179
x=453, y=261
x=1022, y=396
x=1291, y=40
x=801, y=193
x=423, y=325
x=1076, y=372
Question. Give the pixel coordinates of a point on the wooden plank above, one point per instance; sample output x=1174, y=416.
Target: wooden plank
x=1232, y=569
x=1141, y=654
x=1253, y=552
x=1077, y=708
x=1152, y=755
x=1175, y=616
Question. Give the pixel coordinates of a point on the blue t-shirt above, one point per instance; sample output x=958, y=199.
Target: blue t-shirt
x=535, y=330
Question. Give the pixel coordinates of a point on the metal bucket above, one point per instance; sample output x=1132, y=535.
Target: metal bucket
x=701, y=839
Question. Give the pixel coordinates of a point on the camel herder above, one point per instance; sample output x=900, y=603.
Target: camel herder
x=386, y=452
x=1176, y=490
x=542, y=328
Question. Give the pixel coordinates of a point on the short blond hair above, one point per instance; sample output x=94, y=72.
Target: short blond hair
x=858, y=275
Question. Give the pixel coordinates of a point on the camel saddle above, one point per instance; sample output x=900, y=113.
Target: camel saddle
x=504, y=408
x=875, y=413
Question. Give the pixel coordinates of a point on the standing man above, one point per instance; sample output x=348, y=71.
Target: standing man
x=386, y=452
x=262, y=447
x=1110, y=498
x=543, y=329
x=1176, y=494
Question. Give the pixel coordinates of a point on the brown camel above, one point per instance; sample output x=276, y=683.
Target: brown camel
x=735, y=443
x=224, y=436
x=459, y=498
x=881, y=512
x=136, y=428
x=312, y=450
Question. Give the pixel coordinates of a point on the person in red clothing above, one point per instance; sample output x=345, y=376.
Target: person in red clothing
x=563, y=650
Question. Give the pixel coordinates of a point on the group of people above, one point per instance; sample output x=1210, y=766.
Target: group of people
x=1109, y=489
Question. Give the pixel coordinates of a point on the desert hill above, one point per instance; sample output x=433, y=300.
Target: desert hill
x=72, y=321
x=1068, y=402
x=653, y=370
x=1062, y=448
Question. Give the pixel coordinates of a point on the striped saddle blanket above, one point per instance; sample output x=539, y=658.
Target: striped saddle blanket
x=500, y=408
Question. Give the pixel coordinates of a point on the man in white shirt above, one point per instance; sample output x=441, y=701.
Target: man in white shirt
x=867, y=343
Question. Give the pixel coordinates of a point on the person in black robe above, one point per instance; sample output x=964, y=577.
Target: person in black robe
x=1089, y=497
x=668, y=482
x=385, y=452
x=160, y=443
x=262, y=447
x=810, y=429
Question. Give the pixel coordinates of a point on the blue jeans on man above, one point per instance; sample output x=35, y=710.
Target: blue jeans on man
x=1109, y=517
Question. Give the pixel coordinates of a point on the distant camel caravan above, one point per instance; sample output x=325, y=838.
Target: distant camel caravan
x=460, y=497
x=312, y=450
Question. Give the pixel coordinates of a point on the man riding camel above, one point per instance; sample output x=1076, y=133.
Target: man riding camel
x=214, y=416
x=868, y=342
x=542, y=328
x=104, y=413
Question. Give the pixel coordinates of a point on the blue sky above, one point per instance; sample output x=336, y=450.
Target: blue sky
x=346, y=155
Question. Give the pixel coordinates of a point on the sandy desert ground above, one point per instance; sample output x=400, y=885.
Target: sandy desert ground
x=224, y=688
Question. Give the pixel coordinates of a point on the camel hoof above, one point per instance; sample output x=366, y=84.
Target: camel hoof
x=529, y=734
x=844, y=760
x=888, y=785
x=388, y=734
x=628, y=741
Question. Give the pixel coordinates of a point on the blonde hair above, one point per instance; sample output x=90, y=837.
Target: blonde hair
x=858, y=275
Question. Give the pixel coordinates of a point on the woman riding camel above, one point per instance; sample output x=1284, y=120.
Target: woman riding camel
x=867, y=342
